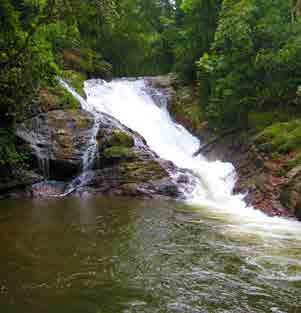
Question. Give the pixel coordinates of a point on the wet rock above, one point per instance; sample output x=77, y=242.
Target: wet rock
x=142, y=175
x=183, y=179
x=120, y=181
x=116, y=143
x=161, y=84
x=126, y=166
x=167, y=188
x=291, y=194
x=15, y=184
x=48, y=189
x=57, y=141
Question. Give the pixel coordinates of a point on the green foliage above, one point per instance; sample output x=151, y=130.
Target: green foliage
x=122, y=139
x=117, y=152
x=195, y=34
x=32, y=35
x=281, y=137
x=56, y=97
x=137, y=41
x=85, y=61
x=254, y=61
x=9, y=156
x=186, y=107
x=76, y=80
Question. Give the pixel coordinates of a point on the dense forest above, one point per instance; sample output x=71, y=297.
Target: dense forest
x=244, y=56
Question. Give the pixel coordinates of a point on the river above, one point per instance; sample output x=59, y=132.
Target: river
x=125, y=255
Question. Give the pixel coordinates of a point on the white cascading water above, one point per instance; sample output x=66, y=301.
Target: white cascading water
x=90, y=151
x=130, y=103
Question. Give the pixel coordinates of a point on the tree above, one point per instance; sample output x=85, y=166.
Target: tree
x=195, y=33
x=254, y=61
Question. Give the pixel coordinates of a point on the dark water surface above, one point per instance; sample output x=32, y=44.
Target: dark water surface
x=118, y=255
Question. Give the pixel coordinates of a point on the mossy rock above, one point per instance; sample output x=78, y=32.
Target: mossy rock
x=146, y=178
x=281, y=137
x=119, y=152
x=296, y=161
x=64, y=127
x=76, y=80
x=86, y=61
x=186, y=108
x=143, y=170
x=56, y=97
x=291, y=193
x=121, y=163
x=121, y=139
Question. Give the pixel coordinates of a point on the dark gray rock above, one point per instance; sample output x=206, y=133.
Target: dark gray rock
x=123, y=165
x=16, y=184
x=57, y=141
x=291, y=193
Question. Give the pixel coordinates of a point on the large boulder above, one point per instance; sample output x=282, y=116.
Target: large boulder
x=57, y=141
x=126, y=166
x=122, y=164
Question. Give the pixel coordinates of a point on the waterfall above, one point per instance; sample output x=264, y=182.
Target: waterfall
x=134, y=105
x=90, y=152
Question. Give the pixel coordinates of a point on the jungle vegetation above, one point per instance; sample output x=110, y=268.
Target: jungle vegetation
x=244, y=55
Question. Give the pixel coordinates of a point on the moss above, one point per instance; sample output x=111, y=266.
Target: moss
x=66, y=126
x=86, y=61
x=10, y=156
x=281, y=137
x=290, y=164
x=67, y=101
x=142, y=170
x=56, y=97
x=186, y=108
x=281, y=172
x=119, y=152
x=76, y=80
x=84, y=123
x=120, y=138
x=261, y=120
x=70, y=120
